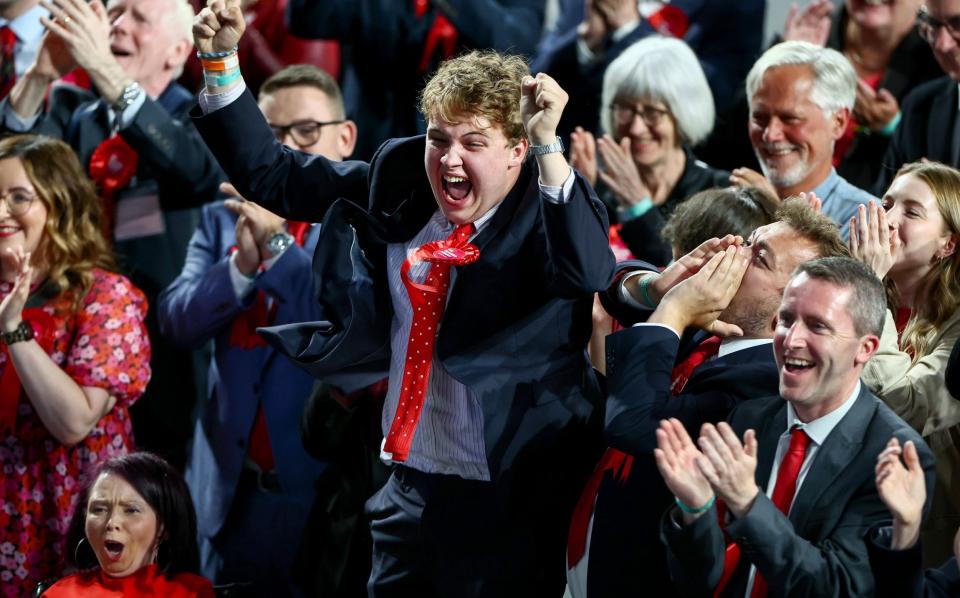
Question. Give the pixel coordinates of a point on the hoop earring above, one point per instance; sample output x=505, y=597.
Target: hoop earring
x=76, y=554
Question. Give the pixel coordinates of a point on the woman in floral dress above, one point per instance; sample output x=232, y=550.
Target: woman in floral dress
x=74, y=353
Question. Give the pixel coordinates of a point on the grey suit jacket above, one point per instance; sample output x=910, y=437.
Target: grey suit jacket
x=820, y=549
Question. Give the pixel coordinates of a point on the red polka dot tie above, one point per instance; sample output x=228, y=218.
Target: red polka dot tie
x=428, y=301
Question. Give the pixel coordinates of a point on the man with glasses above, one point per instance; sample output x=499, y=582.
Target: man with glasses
x=249, y=474
x=929, y=125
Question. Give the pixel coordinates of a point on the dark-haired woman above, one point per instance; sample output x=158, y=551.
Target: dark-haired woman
x=74, y=353
x=134, y=534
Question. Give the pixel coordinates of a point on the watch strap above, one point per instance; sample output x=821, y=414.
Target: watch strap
x=23, y=332
x=549, y=148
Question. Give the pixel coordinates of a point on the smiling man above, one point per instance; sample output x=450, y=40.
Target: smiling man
x=462, y=266
x=801, y=96
x=799, y=491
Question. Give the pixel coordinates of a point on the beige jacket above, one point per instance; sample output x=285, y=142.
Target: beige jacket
x=917, y=393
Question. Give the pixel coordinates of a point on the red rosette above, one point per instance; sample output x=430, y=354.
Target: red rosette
x=113, y=164
x=44, y=332
x=441, y=252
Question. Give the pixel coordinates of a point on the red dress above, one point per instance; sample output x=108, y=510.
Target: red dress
x=146, y=582
x=103, y=344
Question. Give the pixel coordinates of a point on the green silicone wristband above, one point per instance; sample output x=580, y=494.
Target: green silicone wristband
x=645, y=291
x=691, y=510
x=636, y=210
x=891, y=126
x=221, y=80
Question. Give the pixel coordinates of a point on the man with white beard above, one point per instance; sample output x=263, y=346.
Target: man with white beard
x=801, y=97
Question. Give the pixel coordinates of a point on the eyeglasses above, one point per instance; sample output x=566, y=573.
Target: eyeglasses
x=929, y=27
x=625, y=113
x=18, y=201
x=304, y=132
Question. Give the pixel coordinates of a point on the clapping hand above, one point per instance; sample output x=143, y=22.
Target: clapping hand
x=620, y=173
x=903, y=490
x=583, y=154
x=84, y=31
x=812, y=24
x=875, y=109
x=677, y=458
x=255, y=225
x=11, y=308
x=871, y=240
x=730, y=466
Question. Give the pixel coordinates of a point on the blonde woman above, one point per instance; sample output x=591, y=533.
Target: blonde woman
x=912, y=244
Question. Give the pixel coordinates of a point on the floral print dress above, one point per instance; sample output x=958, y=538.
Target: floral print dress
x=102, y=344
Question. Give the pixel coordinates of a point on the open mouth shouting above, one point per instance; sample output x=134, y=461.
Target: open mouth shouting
x=456, y=189
x=796, y=366
x=113, y=549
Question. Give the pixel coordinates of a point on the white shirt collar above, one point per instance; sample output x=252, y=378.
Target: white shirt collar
x=478, y=224
x=820, y=428
x=733, y=344
x=27, y=26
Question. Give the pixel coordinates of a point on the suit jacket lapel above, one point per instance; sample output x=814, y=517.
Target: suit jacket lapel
x=939, y=128
x=838, y=450
x=768, y=436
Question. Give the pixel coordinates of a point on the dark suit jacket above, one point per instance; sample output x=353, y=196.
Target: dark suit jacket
x=929, y=113
x=516, y=322
x=382, y=42
x=625, y=553
x=820, y=549
x=900, y=573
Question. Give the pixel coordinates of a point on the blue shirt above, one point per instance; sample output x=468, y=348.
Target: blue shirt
x=840, y=200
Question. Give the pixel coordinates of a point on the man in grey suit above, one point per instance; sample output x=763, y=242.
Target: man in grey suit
x=797, y=495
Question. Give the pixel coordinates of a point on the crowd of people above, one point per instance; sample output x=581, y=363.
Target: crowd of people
x=555, y=297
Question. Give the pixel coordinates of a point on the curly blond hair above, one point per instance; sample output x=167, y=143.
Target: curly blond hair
x=941, y=286
x=483, y=84
x=73, y=243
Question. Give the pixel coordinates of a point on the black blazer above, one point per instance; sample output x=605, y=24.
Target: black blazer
x=820, y=549
x=625, y=553
x=929, y=113
x=516, y=322
x=900, y=573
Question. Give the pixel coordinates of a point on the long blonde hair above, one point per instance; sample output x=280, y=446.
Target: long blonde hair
x=73, y=243
x=940, y=288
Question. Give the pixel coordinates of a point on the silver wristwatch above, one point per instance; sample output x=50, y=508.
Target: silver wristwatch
x=127, y=96
x=550, y=148
x=278, y=243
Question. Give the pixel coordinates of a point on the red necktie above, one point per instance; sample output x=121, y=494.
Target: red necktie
x=681, y=373
x=785, y=489
x=783, y=493
x=428, y=301
x=619, y=462
x=8, y=71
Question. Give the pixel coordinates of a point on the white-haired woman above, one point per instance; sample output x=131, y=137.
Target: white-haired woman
x=656, y=104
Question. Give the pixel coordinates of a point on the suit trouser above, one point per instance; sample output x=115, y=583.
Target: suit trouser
x=442, y=535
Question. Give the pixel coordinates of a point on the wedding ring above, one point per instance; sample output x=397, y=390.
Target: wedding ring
x=66, y=20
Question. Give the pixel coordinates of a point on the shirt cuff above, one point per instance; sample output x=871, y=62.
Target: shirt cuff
x=211, y=102
x=558, y=195
x=242, y=285
x=624, y=30
x=125, y=118
x=16, y=123
x=625, y=295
